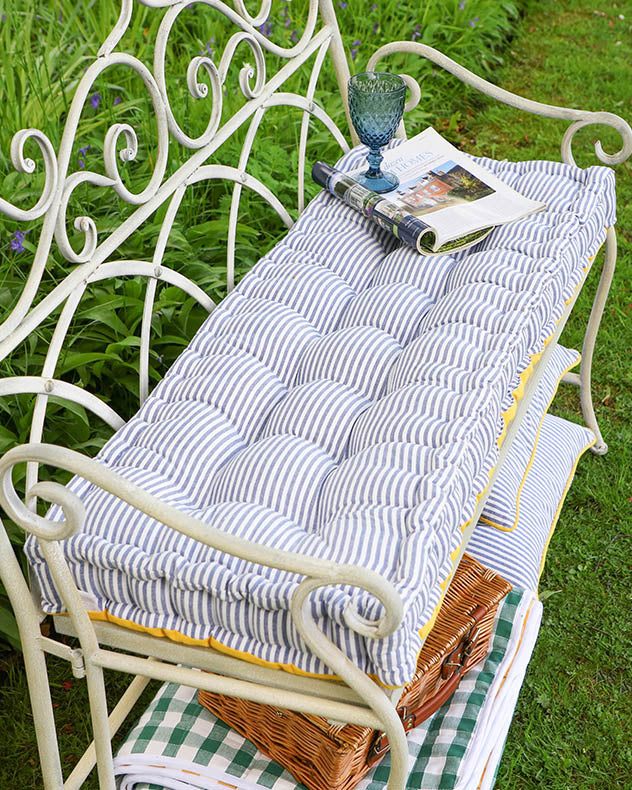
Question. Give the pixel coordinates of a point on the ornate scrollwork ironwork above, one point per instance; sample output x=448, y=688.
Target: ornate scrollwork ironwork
x=202, y=72
x=216, y=75
x=26, y=165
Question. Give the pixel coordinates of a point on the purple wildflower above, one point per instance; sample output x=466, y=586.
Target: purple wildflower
x=4, y=17
x=462, y=5
x=16, y=241
x=294, y=36
x=342, y=4
x=375, y=27
x=416, y=33
x=374, y=7
x=95, y=100
x=117, y=100
x=354, y=48
x=61, y=17
x=266, y=28
x=473, y=21
x=82, y=153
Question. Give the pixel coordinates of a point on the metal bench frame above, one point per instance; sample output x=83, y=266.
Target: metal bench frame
x=357, y=699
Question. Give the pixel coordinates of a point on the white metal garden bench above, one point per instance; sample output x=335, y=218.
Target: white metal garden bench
x=359, y=700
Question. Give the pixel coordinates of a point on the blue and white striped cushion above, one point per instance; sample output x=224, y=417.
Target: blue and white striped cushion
x=272, y=333
x=320, y=295
x=284, y=473
x=503, y=504
x=345, y=402
x=217, y=373
x=307, y=411
x=405, y=265
x=397, y=309
x=359, y=356
x=519, y=555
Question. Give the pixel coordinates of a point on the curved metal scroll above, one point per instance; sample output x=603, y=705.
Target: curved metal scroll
x=121, y=145
x=579, y=118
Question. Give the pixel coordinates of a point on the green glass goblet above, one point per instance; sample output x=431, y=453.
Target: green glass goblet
x=376, y=105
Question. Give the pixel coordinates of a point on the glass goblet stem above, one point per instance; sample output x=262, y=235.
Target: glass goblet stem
x=374, y=158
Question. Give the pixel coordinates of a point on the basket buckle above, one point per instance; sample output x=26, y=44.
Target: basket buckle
x=457, y=659
x=380, y=744
x=408, y=719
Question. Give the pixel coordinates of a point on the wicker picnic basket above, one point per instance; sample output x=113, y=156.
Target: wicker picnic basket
x=324, y=756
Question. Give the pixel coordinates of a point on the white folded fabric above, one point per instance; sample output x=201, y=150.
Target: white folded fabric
x=493, y=725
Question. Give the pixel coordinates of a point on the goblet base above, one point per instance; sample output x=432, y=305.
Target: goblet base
x=382, y=182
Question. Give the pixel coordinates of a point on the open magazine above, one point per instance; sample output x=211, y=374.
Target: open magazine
x=444, y=201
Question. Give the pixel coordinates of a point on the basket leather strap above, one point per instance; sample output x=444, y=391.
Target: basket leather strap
x=411, y=719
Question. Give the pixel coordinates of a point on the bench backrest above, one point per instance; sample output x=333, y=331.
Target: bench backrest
x=211, y=80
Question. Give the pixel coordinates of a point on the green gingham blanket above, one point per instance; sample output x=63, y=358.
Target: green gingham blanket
x=179, y=745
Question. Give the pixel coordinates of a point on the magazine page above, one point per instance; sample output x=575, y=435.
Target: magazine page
x=451, y=195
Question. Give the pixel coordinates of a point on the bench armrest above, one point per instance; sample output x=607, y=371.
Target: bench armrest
x=578, y=118
x=317, y=572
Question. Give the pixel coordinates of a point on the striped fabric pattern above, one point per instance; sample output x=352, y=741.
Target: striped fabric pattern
x=519, y=555
x=503, y=503
x=328, y=354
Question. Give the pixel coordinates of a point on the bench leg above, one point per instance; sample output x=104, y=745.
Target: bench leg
x=100, y=726
x=123, y=707
x=600, y=447
x=34, y=663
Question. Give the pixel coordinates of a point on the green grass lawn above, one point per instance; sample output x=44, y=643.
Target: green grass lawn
x=573, y=723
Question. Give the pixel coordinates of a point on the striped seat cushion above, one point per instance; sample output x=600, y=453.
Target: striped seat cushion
x=519, y=555
x=345, y=401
